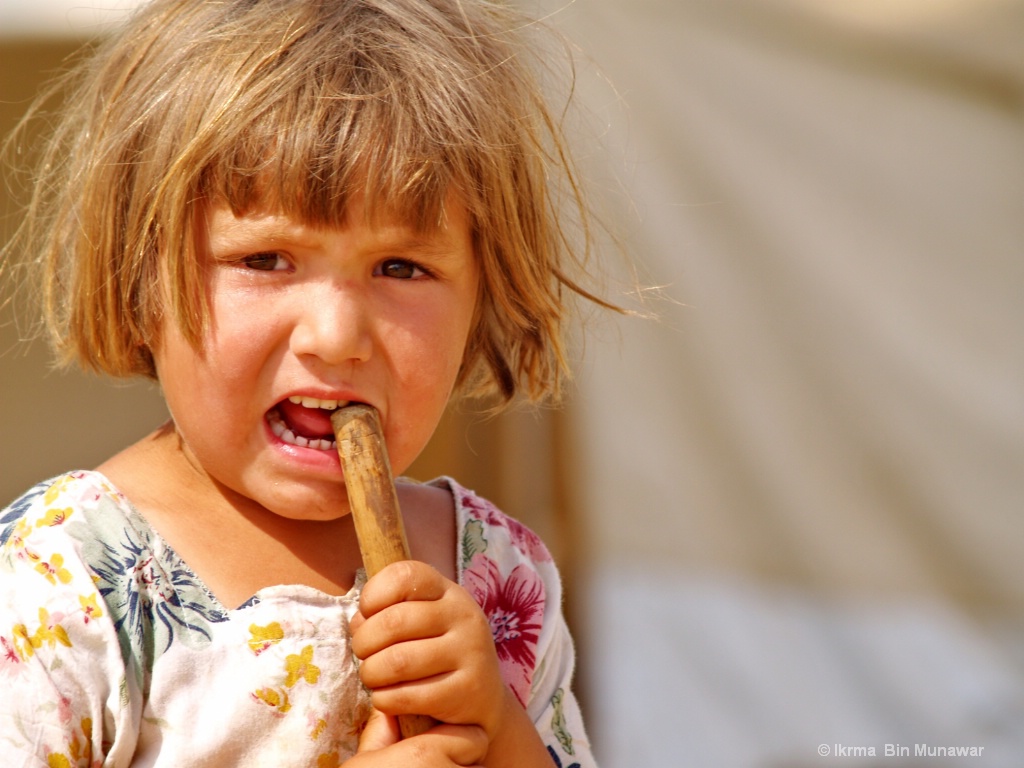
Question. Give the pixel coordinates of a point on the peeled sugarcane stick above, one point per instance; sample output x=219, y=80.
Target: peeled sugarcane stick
x=374, y=503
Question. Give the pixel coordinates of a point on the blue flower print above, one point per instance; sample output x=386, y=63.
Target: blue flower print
x=153, y=597
x=558, y=761
x=17, y=510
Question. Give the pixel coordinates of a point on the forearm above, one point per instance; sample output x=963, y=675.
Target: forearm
x=516, y=743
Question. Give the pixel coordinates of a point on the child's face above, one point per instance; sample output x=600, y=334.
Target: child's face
x=376, y=314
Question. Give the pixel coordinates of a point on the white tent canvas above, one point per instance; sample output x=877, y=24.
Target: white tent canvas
x=805, y=483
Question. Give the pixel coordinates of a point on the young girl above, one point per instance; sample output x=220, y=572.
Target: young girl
x=276, y=208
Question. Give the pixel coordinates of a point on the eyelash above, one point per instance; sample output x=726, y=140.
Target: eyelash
x=405, y=264
x=257, y=262
x=251, y=261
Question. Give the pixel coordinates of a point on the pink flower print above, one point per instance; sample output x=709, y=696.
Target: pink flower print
x=9, y=656
x=514, y=608
x=523, y=539
x=64, y=710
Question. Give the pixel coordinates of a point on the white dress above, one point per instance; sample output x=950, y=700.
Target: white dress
x=113, y=653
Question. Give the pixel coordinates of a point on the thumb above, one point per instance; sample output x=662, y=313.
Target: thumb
x=381, y=731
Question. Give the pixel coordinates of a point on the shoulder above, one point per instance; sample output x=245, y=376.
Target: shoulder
x=90, y=598
x=483, y=528
x=61, y=662
x=428, y=513
x=49, y=593
x=49, y=506
x=77, y=538
x=52, y=536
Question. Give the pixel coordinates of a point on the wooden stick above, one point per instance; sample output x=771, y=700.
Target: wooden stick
x=374, y=503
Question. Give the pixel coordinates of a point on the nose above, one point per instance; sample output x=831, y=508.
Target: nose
x=333, y=324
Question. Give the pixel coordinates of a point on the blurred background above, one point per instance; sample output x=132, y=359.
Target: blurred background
x=789, y=511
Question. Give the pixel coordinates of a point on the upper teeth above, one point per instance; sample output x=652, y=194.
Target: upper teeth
x=312, y=402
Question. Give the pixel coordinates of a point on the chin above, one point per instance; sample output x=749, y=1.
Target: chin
x=298, y=500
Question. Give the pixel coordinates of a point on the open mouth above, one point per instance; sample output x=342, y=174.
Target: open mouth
x=305, y=422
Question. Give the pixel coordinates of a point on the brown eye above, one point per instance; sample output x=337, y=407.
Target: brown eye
x=265, y=262
x=400, y=269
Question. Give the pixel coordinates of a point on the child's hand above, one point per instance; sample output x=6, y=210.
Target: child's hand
x=426, y=648
x=444, y=746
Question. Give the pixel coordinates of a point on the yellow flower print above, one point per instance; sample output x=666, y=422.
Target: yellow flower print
x=90, y=607
x=261, y=638
x=57, y=761
x=55, y=490
x=22, y=642
x=301, y=667
x=81, y=749
x=17, y=542
x=329, y=760
x=54, y=570
x=318, y=729
x=275, y=698
x=21, y=531
x=49, y=632
x=54, y=517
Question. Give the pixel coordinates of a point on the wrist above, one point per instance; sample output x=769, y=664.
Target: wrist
x=514, y=742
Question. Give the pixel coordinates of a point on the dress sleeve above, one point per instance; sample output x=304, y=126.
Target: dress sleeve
x=552, y=705
x=65, y=687
x=511, y=574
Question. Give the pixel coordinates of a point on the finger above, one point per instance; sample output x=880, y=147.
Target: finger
x=381, y=731
x=429, y=696
x=455, y=613
x=356, y=622
x=408, y=580
x=400, y=623
x=407, y=662
x=463, y=745
x=453, y=696
x=443, y=746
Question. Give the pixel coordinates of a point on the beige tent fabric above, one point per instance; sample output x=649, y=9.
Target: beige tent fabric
x=839, y=399
x=816, y=459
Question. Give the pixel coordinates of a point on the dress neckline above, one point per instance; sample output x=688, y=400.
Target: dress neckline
x=303, y=592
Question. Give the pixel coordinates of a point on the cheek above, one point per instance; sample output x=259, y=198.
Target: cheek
x=440, y=349
x=427, y=361
x=426, y=365
x=211, y=383
x=175, y=361
x=242, y=336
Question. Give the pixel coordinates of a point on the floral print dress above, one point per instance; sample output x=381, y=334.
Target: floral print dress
x=113, y=653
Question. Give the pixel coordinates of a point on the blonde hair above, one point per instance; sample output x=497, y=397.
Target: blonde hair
x=299, y=104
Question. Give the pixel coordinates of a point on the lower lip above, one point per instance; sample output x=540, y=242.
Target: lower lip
x=310, y=458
